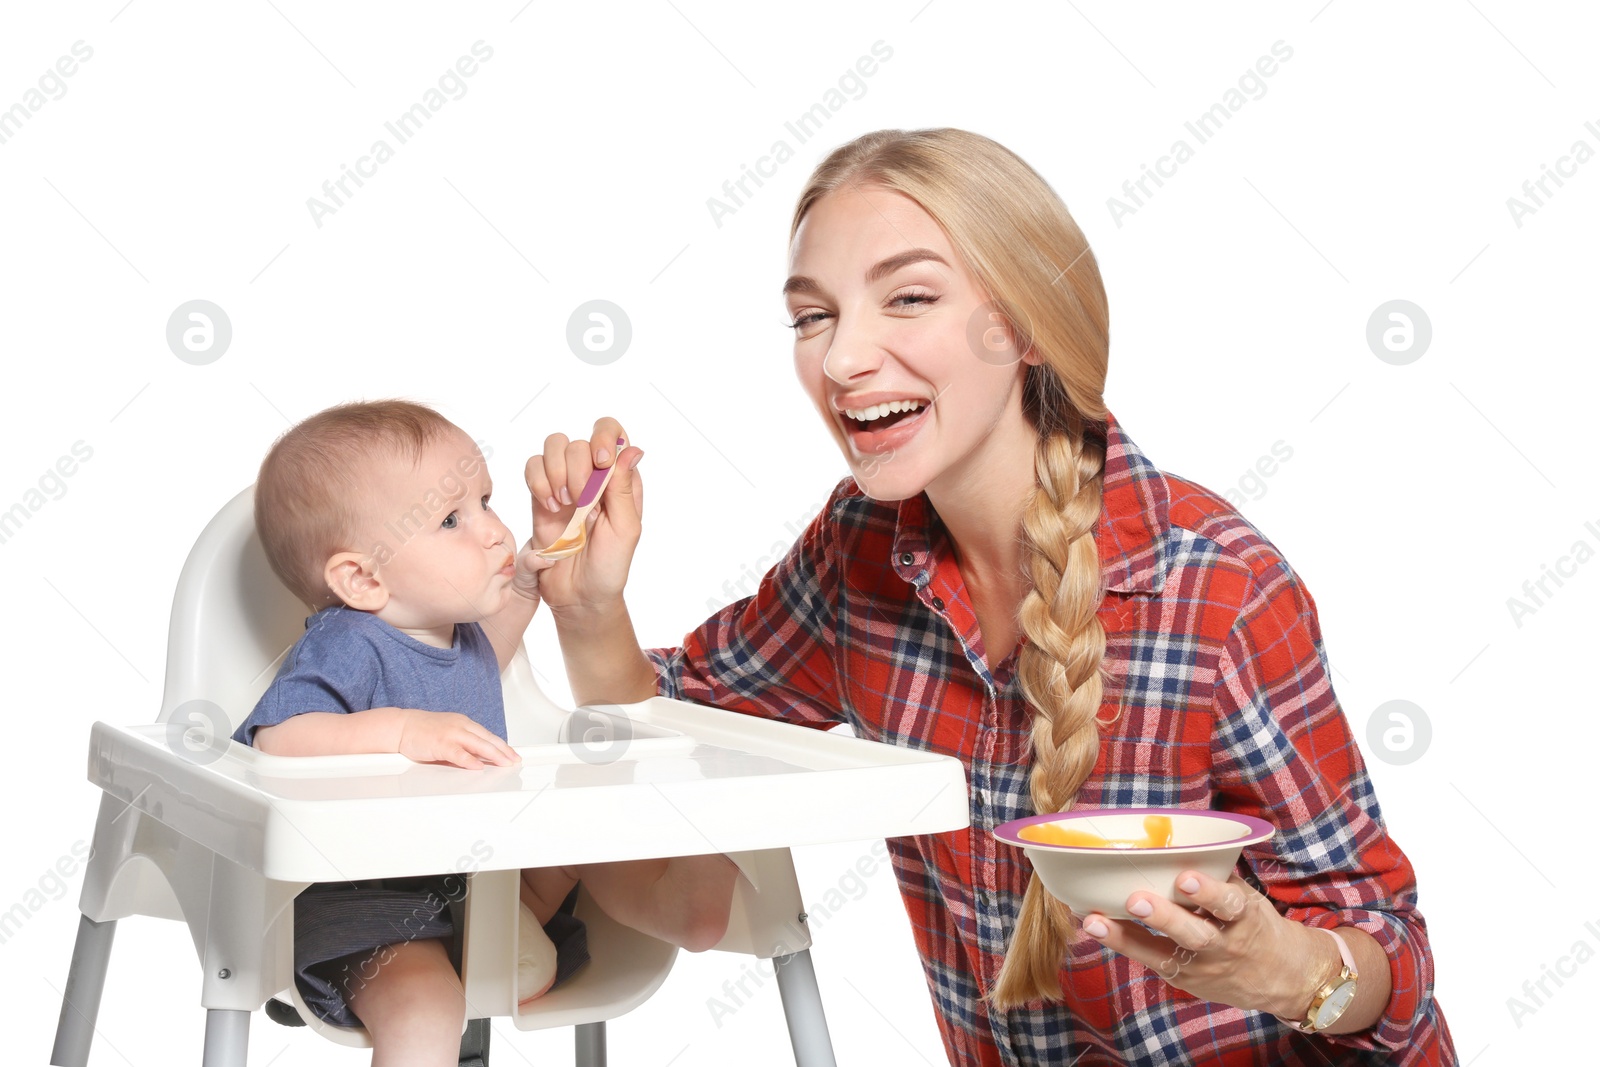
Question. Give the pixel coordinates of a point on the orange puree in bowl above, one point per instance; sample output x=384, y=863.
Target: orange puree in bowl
x=1157, y=834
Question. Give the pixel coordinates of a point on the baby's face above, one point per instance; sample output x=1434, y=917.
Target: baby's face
x=441, y=553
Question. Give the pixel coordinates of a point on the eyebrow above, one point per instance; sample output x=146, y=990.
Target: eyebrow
x=799, y=283
x=461, y=493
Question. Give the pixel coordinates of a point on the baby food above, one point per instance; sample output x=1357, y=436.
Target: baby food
x=1157, y=834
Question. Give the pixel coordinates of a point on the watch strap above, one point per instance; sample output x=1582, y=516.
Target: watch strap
x=1344, y=950
x=1304, y=1025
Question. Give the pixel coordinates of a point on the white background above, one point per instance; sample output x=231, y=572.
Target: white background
x=1376, y=166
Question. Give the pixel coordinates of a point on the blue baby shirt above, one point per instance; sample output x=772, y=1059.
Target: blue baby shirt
x=349, y=660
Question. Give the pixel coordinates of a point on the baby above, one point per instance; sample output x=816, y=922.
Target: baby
x=377, y=516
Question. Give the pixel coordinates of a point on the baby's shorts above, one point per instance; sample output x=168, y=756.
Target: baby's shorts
x=341, y=929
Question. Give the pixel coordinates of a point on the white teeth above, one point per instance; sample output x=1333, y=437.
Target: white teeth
x=878, y=411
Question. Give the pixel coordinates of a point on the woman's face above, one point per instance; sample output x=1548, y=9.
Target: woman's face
x=896, y=346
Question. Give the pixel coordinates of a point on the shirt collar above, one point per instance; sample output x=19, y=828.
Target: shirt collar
x=1132, y=533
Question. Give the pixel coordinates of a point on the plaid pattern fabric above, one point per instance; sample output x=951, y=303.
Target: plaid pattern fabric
x=1221, y=687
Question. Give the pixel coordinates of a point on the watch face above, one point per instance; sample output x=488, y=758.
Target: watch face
x=1335, y=1005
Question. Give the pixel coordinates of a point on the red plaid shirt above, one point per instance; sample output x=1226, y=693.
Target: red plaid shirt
x=1219, y=680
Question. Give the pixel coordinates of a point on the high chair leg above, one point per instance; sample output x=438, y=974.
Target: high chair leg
x=802, y=1008
x=475, y=1044
x=80, y=1004
x=591, y=1042
x=227, y=1037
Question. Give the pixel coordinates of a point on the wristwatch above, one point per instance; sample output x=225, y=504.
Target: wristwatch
x=1332, y=998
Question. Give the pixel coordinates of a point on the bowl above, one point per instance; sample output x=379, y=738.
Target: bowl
x=1100, y=878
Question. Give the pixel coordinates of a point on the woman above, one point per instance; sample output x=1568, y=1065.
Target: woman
x=1005, y=578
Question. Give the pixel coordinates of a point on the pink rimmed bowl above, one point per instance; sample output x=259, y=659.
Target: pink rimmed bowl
x=1100, y=879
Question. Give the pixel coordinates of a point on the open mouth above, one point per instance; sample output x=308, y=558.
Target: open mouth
x=881, y=417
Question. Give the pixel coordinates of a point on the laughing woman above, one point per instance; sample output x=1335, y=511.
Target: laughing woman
x=1006, y=579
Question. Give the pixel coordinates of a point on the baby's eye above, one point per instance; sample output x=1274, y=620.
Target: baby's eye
x=449, y=522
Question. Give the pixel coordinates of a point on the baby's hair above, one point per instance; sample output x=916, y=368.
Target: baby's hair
x=315, y=477
x=1034, y=265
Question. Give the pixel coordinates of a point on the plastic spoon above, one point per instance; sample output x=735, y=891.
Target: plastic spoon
x=576, y=535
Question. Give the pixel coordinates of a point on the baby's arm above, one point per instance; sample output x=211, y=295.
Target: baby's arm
x=424, y=736
x=321, y=704
x=505, y=627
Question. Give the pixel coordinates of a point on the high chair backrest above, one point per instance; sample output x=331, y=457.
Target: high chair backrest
x=232, y=620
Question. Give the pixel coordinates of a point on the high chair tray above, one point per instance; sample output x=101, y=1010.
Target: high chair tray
x=659, y=778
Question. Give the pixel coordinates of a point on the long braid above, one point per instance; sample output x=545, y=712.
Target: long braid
x=1060, y=671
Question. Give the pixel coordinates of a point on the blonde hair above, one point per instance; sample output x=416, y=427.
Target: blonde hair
x=1015, y=235
x=313, y=484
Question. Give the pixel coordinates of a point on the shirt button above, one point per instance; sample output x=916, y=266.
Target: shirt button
x=986, y=899
x=907, y=559
x=938, y=604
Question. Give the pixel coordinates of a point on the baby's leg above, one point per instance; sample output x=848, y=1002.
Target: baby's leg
x=544, y=888
x=684, y=900
x=413, y=1006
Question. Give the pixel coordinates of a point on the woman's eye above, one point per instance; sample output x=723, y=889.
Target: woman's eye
x=914, y=297
x=807, y=319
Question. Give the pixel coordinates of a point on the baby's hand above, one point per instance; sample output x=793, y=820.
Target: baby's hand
x=449, y=737
x=530, y=564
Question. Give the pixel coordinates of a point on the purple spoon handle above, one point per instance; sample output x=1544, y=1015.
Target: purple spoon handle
x=597, y=479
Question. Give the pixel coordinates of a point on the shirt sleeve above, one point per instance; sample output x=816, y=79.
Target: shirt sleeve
x=327, y=670
x=1282, y=751
x=772, y=653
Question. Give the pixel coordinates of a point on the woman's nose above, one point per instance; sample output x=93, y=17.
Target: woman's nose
x=852, y=351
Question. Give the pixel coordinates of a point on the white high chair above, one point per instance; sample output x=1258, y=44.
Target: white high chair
x=195, y=827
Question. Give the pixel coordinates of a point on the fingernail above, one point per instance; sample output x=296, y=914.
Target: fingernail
x=636, y=460
x=1189, y=885
x=1141, y=908
x=603, y=456
x=550, y=502
x=566, y=497
x=1095, y=928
